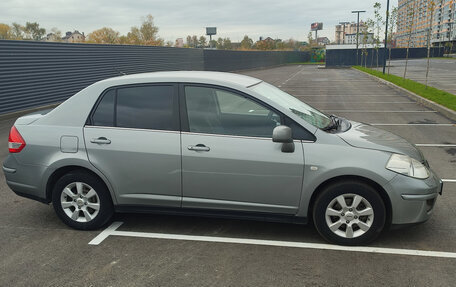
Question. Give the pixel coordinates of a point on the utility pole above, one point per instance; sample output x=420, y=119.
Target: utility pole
x=450, y=38
x=386, y=36
x=357, y=33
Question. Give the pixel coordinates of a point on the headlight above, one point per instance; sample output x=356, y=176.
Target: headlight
x=407, y=166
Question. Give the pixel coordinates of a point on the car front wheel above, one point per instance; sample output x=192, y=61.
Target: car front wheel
x=349, y=213
x=82, y=201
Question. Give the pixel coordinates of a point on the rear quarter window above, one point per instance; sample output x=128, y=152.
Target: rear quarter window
x=104, y=112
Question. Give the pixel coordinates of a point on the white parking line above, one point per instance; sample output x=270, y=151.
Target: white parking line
x=111, y=230
x=105, y=233
x=430, y=124
x=448, y=180
x=291, y=77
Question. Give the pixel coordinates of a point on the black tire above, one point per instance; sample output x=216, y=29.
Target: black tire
x=346, y=188
x=106, y=208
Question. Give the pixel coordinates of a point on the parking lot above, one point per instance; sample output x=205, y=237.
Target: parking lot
x=36, y=249
x=442, y=72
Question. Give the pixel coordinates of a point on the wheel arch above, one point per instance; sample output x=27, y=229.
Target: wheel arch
x=381, y=191
x=58, y=173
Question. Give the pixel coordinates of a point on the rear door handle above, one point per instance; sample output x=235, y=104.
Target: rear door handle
x=100, y=140
x=198, y=147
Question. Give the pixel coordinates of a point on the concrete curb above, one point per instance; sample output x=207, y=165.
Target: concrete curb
x=423, y=101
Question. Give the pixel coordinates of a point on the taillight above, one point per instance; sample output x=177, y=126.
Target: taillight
x=15, y=141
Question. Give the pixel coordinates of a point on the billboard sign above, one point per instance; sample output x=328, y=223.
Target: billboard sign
x=316, y=26
x=211, y=31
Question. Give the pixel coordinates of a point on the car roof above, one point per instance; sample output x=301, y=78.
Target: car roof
x=188, y=76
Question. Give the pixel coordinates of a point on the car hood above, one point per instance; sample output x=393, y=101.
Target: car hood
x=369, y=137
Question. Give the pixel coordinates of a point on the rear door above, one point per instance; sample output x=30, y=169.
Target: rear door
x=133, y=138
x=228, y=158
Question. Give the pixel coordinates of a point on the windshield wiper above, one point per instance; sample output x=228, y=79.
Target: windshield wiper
x=335, y=122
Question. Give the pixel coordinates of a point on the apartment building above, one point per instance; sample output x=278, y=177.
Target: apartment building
x=414, y=17
x=362, y=38
x=346, y=29
x=444, y=19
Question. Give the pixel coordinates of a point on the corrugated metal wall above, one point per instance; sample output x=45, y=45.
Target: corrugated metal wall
x=220, y=60
x=39, y=73
x=347, y=57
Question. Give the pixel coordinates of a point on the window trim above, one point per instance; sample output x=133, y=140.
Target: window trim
x=175, y=96
x=185, y=128
x=180, y=108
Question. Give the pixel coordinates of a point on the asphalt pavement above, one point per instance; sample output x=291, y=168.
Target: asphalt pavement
x=36, y=249
x=442, y=72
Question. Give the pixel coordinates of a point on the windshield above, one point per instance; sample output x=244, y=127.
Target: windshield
x=304, y=111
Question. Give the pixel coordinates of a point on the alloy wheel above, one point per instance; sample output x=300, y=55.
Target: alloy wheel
x=349, y=215
x=80, y=202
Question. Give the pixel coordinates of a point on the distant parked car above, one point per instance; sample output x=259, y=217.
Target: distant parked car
x=209, y=143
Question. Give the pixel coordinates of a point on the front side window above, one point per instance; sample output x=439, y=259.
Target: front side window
x=216, y=111
x=141, y=107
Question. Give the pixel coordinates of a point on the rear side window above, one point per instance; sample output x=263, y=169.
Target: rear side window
x=104, y=114
x=149, y=107
x=145, y=107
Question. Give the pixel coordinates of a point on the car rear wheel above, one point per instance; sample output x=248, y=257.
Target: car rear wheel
x=82, y=201
x=349, y=213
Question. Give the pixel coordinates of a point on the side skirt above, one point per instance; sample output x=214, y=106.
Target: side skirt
x=256, y=216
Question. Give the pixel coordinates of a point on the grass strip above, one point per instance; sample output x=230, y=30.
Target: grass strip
x=438, y=96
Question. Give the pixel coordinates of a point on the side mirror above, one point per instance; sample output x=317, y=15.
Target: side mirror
x=283, y=134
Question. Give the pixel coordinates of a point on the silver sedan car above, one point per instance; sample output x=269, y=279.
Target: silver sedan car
x=216, y=144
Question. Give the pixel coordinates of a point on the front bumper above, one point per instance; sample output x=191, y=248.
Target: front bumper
x=413, y=200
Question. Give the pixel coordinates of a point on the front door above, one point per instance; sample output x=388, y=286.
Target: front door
x=133, y=138
x=228, y=158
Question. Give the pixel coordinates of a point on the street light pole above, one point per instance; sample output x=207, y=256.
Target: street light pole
x=386, y=35
x=450, y=38
x=357, y=33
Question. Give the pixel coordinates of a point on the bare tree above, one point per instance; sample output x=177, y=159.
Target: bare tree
x=393, y=22
x=431, y=7
x=412, y=15
x=378, y=23
x=370, y=24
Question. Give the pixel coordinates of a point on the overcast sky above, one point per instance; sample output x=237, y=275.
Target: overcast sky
x=177, y=19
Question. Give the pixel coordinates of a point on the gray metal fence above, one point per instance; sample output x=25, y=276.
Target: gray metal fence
x=39, y=73
x=220, y=60
x=347, y=57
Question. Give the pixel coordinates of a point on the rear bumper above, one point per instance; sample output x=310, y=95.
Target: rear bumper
x=25, y=180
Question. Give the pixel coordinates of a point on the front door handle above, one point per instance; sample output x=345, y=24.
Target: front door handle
x=198, y=147
x=100, y=140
